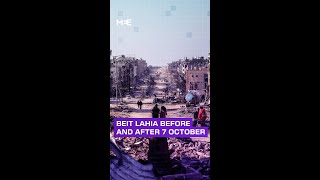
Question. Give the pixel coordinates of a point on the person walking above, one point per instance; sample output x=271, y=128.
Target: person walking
x=202, y=115
x=195, y=117
x=155, y=111
x=138, y=103
x=163, y=112
x=141, y=104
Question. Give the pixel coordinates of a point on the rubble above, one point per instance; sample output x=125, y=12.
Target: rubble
x=125, y=168
x=189, y=158
x=187, y=153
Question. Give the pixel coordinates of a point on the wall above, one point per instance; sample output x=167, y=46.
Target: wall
x=196, y=76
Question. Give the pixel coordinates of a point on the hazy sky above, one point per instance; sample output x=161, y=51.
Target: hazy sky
x=162, y=31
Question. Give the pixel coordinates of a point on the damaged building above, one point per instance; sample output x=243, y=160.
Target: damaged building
x=126, y=72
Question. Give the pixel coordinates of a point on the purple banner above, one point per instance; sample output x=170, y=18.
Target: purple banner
x=157, y=127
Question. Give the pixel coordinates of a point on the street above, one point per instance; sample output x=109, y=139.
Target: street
x=173, y=110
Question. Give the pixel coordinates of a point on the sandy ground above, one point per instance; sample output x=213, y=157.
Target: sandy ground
x=145, y=112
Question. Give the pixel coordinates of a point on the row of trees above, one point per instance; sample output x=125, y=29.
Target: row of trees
x=150, y=85
x=180, y=82
x=151, y=82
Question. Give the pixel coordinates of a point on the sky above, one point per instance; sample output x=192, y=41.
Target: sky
x=161, y=31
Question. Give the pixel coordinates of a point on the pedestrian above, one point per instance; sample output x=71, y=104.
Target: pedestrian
x=202, y=115
x=138, y=103
x=203, y=98
x=195, y=116
x=141, y=104
x=155, y=111
x=163, y=112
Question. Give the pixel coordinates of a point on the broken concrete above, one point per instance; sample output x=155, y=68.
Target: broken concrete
x=194, y=154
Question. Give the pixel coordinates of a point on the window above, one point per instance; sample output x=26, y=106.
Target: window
x=196, y=75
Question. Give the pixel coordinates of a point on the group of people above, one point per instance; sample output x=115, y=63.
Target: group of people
x=139, y=103
x=199, y=116
x=156, y=112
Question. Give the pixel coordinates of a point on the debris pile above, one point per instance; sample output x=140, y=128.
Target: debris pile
x=182, y=111
x=184, y=153
x=119, y=107
x=202, y=166
x=121, y=114
x=192, y=149
x=126, y=168
x=135, y=147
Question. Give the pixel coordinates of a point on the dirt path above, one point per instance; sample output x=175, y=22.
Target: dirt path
x=145, y=112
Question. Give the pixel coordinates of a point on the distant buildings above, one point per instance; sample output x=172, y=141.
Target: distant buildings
x=126, y=72
x=197, y=78
x=195, y=72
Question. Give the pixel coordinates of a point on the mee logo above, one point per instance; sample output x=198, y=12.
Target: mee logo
x=123, y=22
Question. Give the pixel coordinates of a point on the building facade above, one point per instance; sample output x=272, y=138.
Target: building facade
x=126, y=72
x=196, y=78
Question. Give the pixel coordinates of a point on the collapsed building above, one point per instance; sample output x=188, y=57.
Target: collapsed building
x=193, y=74
x=158, y=158
x=125, y=167
x=126, y=73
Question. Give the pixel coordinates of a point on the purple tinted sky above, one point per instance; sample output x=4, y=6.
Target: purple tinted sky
x=162, y=31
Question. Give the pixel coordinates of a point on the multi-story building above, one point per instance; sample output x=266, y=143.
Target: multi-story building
x=125, y=72
x=196, y=78
x=141, y=67
x=193, y=73
x=122, y=72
